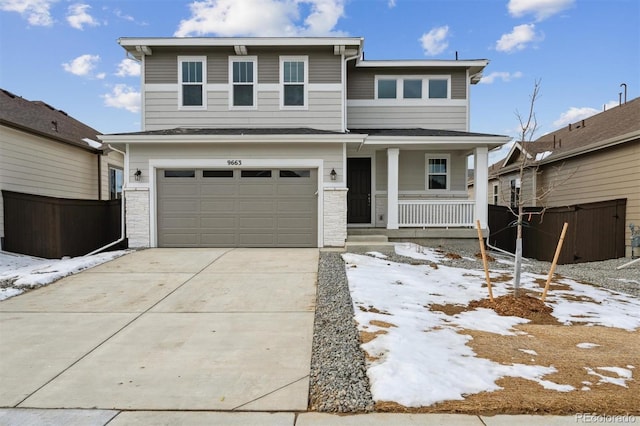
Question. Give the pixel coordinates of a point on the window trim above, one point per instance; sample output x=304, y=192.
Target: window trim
x=399, y=78
x=305, y=84
x=254, y=60
x=496, y=194
x=202, y=59
x=437, y=156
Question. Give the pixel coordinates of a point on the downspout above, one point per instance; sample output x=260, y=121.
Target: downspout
x=99, y=155
x=345, y=60
x=122, y=216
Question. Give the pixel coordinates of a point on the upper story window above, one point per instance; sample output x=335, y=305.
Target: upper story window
x=412, y=87
x=387, y=88
x=438, y=172
x=192, y=80
x=293, y=77
x=242, y=76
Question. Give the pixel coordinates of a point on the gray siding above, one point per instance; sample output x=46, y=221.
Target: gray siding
x=411, y=171
x=425, y=116
x=330, y=153
x=162, y=66
x=324, y=112
x=161, y=110
x=361, y=81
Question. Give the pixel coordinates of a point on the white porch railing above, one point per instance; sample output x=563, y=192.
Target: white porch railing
x=435, y=213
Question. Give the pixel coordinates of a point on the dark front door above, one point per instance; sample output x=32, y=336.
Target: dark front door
x=359, y=195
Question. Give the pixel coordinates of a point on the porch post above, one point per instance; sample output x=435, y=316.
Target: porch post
x=481, y=183
x=392, y=187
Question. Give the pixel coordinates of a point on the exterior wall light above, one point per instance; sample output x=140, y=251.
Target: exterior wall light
x=333, y=174
x=137, y=175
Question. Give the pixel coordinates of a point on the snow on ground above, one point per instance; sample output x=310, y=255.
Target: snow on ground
x=415, y=345
x=20, y=272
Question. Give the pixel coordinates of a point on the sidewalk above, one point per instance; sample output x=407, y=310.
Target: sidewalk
x=19, y=417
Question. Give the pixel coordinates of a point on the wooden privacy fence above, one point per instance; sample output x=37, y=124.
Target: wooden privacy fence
x=55, y=227
x=596, y=231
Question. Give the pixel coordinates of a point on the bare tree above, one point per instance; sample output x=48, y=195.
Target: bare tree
x=528, y=127
x=529, y=166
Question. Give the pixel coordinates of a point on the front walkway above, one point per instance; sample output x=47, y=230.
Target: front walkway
x=166, y=329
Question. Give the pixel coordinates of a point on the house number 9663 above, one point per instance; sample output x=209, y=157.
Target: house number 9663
x=234, y=162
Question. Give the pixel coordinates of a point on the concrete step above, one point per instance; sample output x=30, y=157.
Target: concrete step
x=367, y=238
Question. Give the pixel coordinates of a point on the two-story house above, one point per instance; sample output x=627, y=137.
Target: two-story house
x=276, y=142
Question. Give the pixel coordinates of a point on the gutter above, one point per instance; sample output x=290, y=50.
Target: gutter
x=122, y=217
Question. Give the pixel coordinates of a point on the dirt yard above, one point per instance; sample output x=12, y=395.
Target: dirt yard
x=578, y=352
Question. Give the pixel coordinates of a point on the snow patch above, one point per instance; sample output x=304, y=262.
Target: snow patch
x=587, y=345
x=621, y=380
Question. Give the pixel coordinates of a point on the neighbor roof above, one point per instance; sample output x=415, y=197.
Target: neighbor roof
x=40, y=118
x=616, y=125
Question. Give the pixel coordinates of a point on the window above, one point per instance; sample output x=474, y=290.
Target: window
x=412, y=89
x=515, y=193
x=294, y=71
x=191, y=75
x=242, y=73
x=217, y=173
x=495, y=194
x=179, y=173
x=115, y=183
x=387, y=89
x=437, y=172
x=295, y=173
x=438, y=89
x=255, y=173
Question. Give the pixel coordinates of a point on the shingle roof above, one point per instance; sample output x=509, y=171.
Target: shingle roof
x=43, y=119
x=613, y=122
x=232, y=131
x=583, y=135
x=419, y=132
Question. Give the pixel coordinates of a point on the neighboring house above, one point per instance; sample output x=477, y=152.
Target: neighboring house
x=281, y=142
x=596, y=159
x=44, y=151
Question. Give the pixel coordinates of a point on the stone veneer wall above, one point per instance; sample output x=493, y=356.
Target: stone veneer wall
x=335, y=217
x=137, y=214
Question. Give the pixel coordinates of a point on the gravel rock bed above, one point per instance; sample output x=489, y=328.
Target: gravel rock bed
x=338, y=381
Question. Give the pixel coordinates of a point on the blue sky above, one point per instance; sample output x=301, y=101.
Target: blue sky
x=65, y=53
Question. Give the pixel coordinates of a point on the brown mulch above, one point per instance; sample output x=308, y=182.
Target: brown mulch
x=524, y=306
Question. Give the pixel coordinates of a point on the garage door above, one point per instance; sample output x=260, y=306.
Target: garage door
x=237, y=208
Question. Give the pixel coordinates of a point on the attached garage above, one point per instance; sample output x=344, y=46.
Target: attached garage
x=266, y=207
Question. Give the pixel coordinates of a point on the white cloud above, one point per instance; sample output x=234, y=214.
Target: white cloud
x=502, y=75
x=262, y=18
x=518, y=38
x=82, y=65
x=575, y=114
x=391, y=4
x=122, y=16
x=37, y=12
x=541, y=9
x=435, y=41
x=123, y=97
x=128, y=68
x=77, y=16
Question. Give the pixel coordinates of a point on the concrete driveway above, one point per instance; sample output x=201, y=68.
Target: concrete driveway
x=166, y=329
